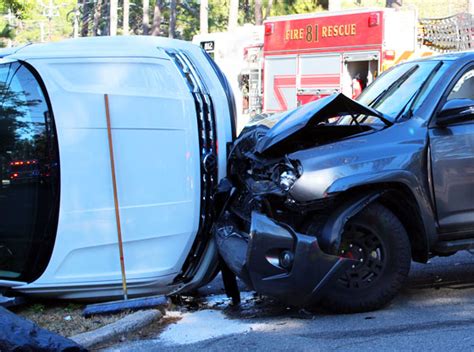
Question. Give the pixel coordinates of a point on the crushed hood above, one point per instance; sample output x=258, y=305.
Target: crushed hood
x=297, y=120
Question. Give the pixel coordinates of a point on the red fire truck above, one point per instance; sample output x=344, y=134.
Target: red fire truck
x=307, y=57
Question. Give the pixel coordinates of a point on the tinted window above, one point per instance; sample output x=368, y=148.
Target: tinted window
x=29, y=175
x=464, y=88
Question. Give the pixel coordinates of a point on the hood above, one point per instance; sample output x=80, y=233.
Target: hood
x=295, y=121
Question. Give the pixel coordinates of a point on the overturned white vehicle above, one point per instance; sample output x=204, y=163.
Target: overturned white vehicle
x=168, y=106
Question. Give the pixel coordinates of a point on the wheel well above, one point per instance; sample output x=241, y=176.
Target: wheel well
x=401, y=201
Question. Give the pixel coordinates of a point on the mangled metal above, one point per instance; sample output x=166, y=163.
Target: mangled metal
x=262, y=233
x=292, y=126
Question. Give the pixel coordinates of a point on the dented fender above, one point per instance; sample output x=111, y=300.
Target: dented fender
x=331, y=234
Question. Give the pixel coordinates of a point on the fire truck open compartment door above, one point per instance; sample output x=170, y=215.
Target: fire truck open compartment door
x=364, y=66
x=280, y=83
x=318, y=76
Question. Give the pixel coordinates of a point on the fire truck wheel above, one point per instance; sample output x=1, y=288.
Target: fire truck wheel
x=378, y=242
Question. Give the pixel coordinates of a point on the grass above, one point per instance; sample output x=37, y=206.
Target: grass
x=64, y=318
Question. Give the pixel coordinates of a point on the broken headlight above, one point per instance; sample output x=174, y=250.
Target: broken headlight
x=288, y=175
x=287, y=179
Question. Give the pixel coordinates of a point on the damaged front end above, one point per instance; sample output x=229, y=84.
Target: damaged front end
x=275, y=244
x=275, y=260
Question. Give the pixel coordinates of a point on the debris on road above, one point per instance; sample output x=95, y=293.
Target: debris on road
x=128, y=324
x=7, y=302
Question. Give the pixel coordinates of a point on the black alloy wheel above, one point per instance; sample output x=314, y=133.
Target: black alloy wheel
x=361, y=244
x=377, y=241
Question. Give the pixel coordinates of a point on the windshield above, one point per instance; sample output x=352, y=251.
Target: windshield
x=396, y=88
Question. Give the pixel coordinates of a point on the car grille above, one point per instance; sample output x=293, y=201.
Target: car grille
x=208, y=155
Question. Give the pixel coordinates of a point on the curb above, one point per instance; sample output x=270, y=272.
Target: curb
x=129, y=323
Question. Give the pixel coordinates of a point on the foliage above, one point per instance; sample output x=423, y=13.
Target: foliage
x=27, y=21
x=21, y=9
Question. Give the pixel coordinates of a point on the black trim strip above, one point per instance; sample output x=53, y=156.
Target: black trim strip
x=208, y=154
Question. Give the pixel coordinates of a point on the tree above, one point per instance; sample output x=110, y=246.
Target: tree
x=269, y=8
x=233, y=14
x=85, y=18
x=126, y=16
x=97, y=16
x=113, y=17
x=156, y=26
x=172, y=26
x=146, y=17
x=258, y=12
x=204, y=16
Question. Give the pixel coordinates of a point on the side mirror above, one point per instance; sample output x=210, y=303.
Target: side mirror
x=456, y=110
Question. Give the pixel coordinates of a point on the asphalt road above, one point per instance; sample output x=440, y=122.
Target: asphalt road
x=435, y=311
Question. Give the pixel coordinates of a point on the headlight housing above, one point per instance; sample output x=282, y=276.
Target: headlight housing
x=287, y=179
x=287, y=174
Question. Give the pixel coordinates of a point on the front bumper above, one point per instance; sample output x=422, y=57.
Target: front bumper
x=276, y=261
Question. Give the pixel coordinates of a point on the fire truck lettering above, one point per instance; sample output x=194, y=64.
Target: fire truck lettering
x=341, y=30
x=309, y=33
x=347, y=30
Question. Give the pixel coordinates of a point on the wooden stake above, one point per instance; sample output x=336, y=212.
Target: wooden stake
x=116, y=202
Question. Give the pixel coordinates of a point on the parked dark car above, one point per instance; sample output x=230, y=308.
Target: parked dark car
x=330, y=205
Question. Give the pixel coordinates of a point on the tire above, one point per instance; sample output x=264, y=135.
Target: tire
x=379, y=242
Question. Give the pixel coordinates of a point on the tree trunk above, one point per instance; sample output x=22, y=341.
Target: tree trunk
x=146, y=17
x=203, y=17
x=113, y=17
x=75, y=32
x=269, y=8
x=233, y=14
x=156, y=27
x=126, y=17
x=97, y=15
x=172, y=28
x=85, y=19
x=258, y=12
